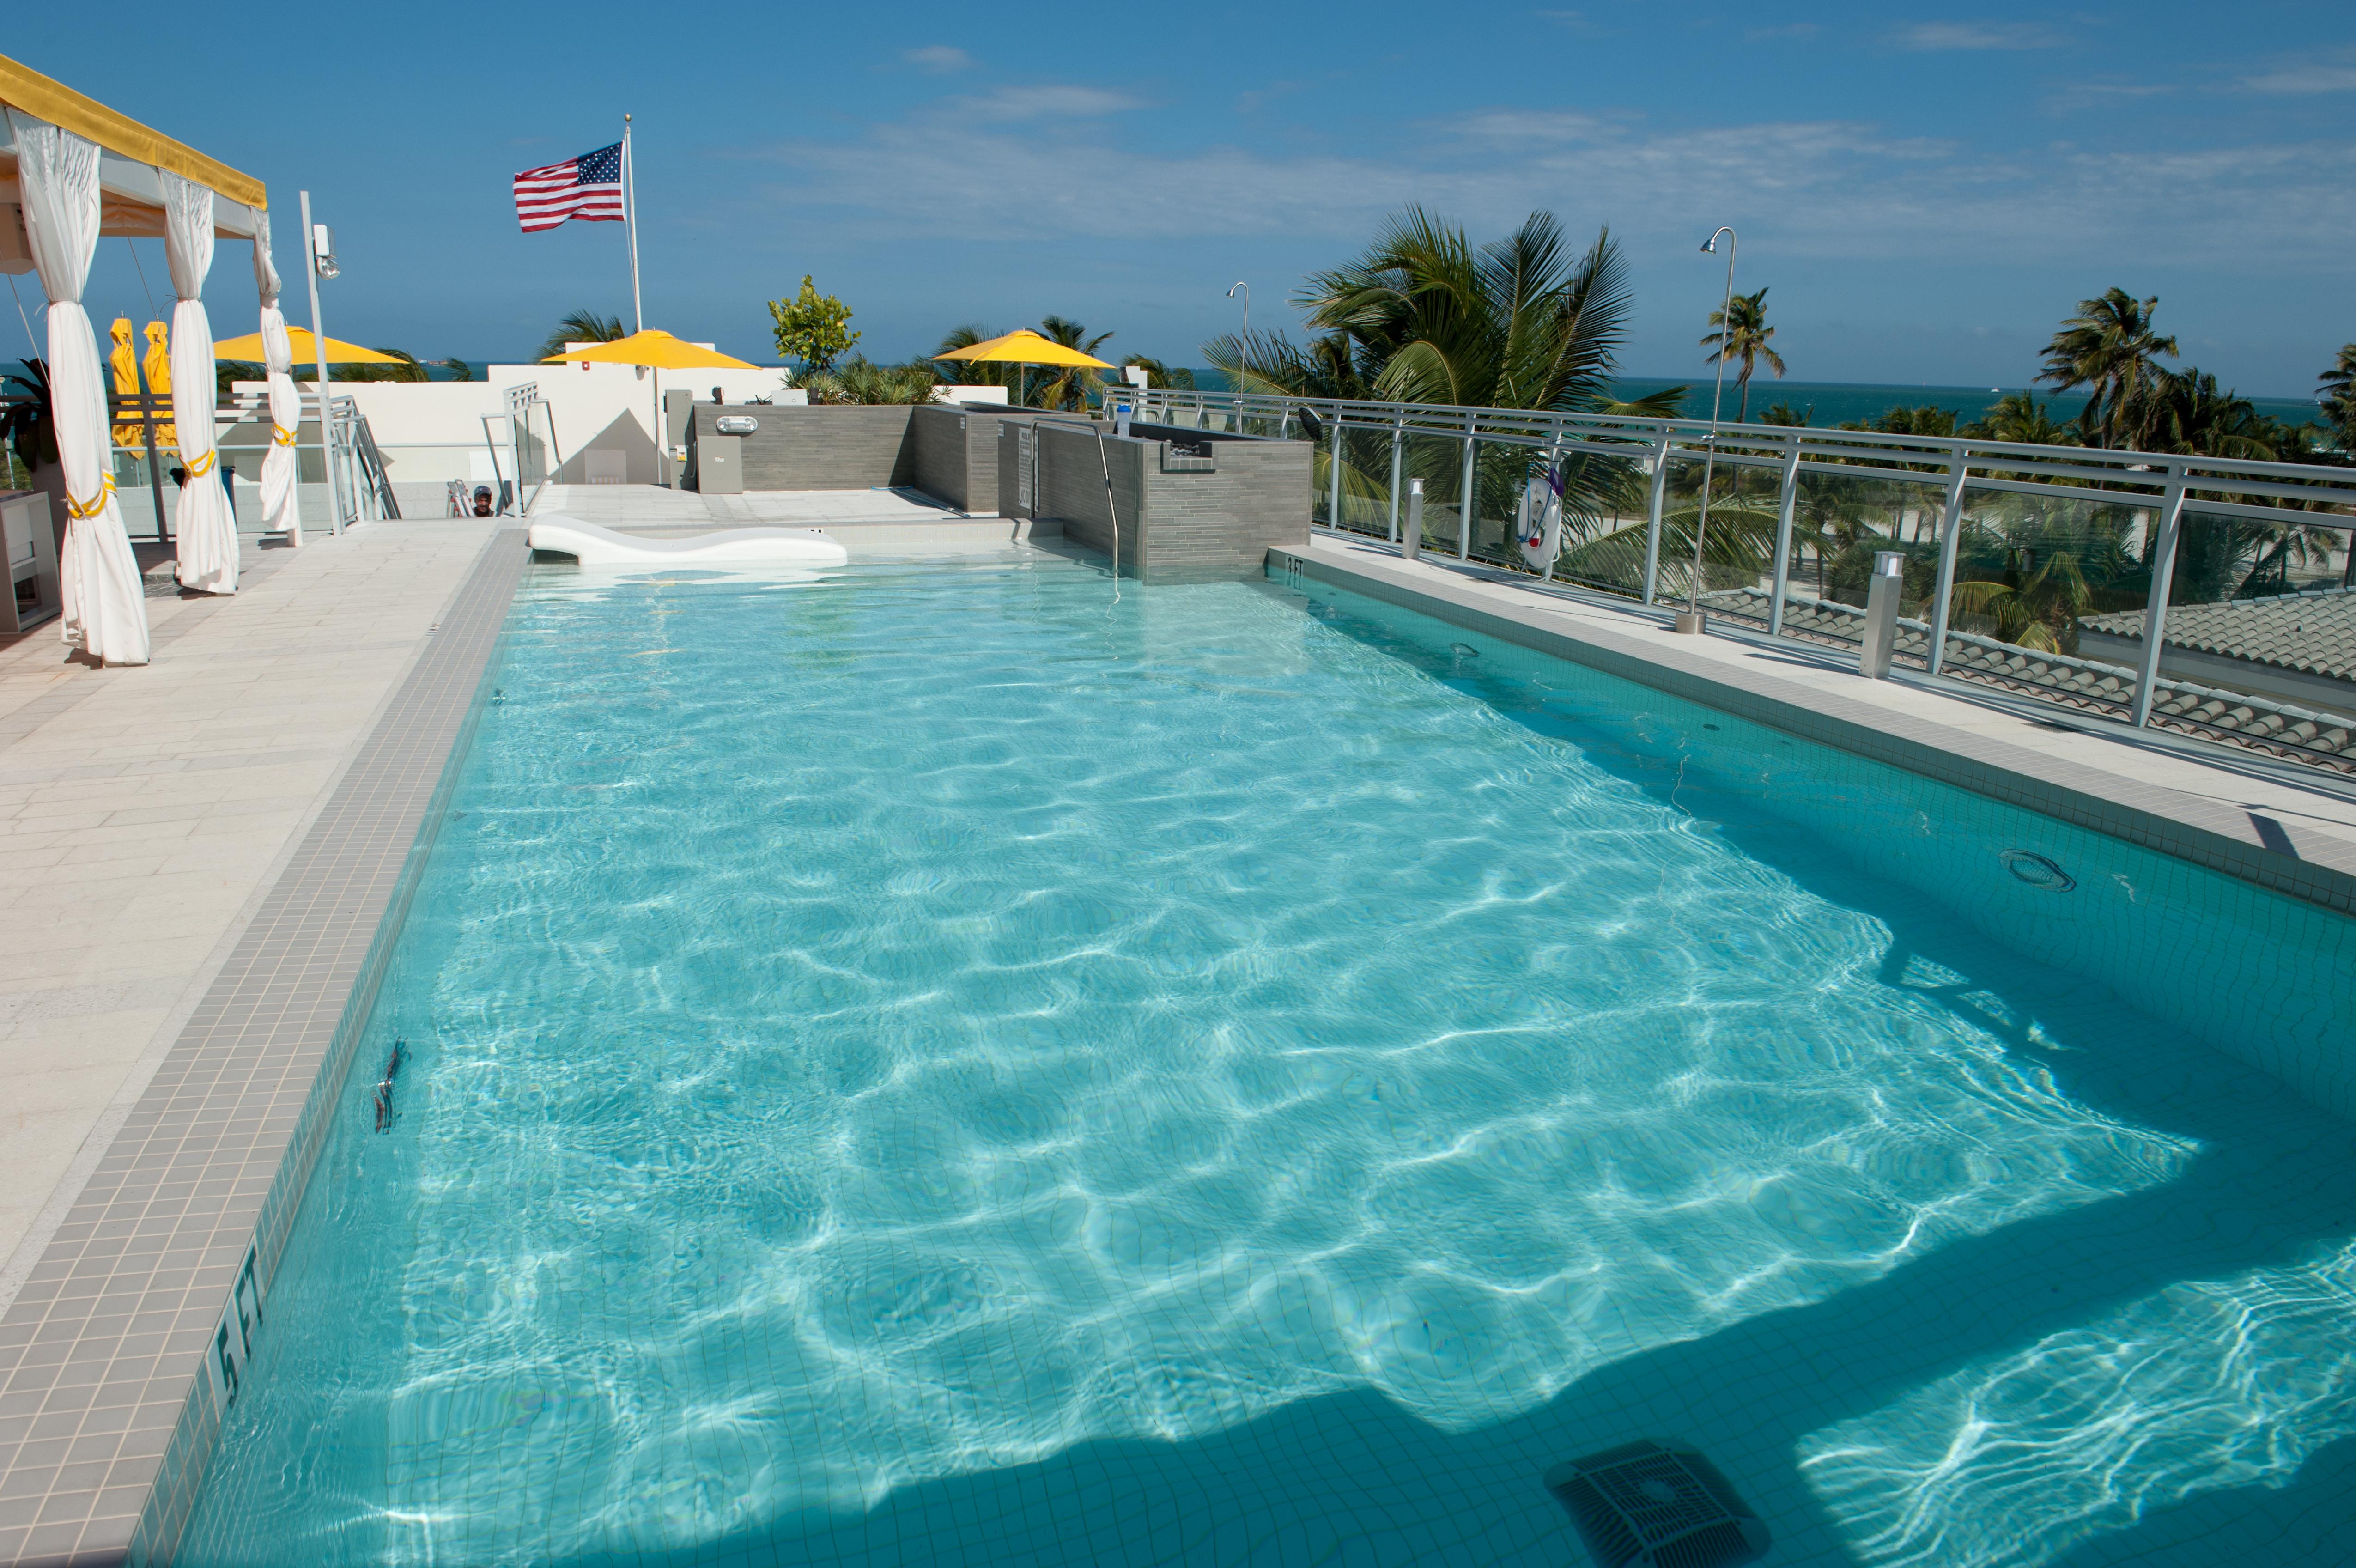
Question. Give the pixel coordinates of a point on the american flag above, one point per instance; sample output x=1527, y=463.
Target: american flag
x=588, y=187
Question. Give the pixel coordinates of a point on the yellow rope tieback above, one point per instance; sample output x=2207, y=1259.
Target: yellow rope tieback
x=202, y=465
x=92, y=506
x=281, y=437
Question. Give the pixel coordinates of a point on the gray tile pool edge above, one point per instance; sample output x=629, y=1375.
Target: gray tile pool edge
x=2149, y=815
x=121, y=1351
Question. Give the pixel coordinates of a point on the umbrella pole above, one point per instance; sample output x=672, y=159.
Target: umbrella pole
x=662, y=436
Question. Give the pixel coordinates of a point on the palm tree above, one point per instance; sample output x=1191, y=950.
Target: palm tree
x=1158, y=374
x=1743, y=334
x=1522, y=322
x=971, y=372
x=2019, y=417
x=580, y=326
x=1669, y=403
x=2107, y=347
x=1422, y=315
x=1272, y=365
x=2335, y=391
x=1068, y=385
x=2186, y=413
x=861, y=380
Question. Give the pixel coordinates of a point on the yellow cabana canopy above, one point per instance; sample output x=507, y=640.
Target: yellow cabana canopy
x=656, y=350
x=131, y=195
x=338, y=351
x=1025, y=348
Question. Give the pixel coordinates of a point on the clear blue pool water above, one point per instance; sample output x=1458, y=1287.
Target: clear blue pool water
x=931, y=1066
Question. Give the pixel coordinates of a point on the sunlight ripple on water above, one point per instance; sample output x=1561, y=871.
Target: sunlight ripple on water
x=931, y=1019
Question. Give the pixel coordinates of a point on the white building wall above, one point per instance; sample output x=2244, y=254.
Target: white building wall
x=434, y=431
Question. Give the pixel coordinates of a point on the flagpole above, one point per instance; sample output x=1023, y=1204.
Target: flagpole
x=638, y=304
x=630, y=223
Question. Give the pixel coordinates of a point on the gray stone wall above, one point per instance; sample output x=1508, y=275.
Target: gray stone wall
x=826, y=447
x=1072, y=489
x=1216, y=527
x=939, y=439
x=1174, y=528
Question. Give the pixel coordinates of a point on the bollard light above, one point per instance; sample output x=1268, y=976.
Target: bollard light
x=1881, y=596
x=1411, y=537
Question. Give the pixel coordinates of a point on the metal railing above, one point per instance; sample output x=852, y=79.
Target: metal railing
x=531, y=444
x=2032, y=550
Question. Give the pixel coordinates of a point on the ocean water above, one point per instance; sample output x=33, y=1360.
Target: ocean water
x=932, y=1064
x=1829, y=403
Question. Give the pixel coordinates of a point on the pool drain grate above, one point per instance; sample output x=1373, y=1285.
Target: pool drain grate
x=1657, y=1505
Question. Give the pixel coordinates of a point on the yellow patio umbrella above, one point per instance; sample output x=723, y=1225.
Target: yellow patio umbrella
x=659, y=351
x=338, y=351
x=656, y=350
x=1025, y=348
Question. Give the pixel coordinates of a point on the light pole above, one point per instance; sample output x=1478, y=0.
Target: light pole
x=1690, y=619
x=319, y=262
x=1231, y=294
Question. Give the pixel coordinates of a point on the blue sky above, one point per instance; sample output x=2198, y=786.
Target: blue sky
x=1925, y=194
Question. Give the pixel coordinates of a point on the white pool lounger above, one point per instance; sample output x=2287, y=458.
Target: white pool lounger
x=595, y=546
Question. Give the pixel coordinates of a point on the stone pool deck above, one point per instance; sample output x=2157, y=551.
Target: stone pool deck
x=205, y=847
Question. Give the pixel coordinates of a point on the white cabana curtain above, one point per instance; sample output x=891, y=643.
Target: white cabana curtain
x=281, y=509
x=105, y=602
x=206, y=528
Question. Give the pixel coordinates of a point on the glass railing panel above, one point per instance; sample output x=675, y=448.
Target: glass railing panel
x=2030, y=571
x=1439, y=462
x=1840, y=522
x=1607, y=511
x=1499, y=472
x=1366, y=482
x=1738, y=537
x=2258, y=646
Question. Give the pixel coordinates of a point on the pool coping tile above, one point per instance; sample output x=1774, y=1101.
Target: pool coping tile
x=119, y=1355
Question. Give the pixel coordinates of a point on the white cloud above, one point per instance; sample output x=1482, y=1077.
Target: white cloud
x=1974, y=36
x=1048, y=102
x=941, y=59
x=1827, y=189
x=2102, y=94
x=1507, y=126
x=2305, y=79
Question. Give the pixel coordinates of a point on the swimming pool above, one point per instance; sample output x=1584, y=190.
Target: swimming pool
x=931, y=1065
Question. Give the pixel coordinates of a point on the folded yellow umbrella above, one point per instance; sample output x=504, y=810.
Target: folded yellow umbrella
x=1025, y=348
x=299, y=338
x=654, y=348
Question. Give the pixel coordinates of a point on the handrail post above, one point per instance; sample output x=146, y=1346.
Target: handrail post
x=2163, y=578
x=1951, y=536
x=1333, y=479
x=1653, y=521
x=1787, y=507
x=1399, y=455
x=1554, y=467
x=1464, y=497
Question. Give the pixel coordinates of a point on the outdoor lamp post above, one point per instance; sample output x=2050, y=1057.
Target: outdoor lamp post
x=1231, y=294
x=1690, y=619
x=319, y=262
